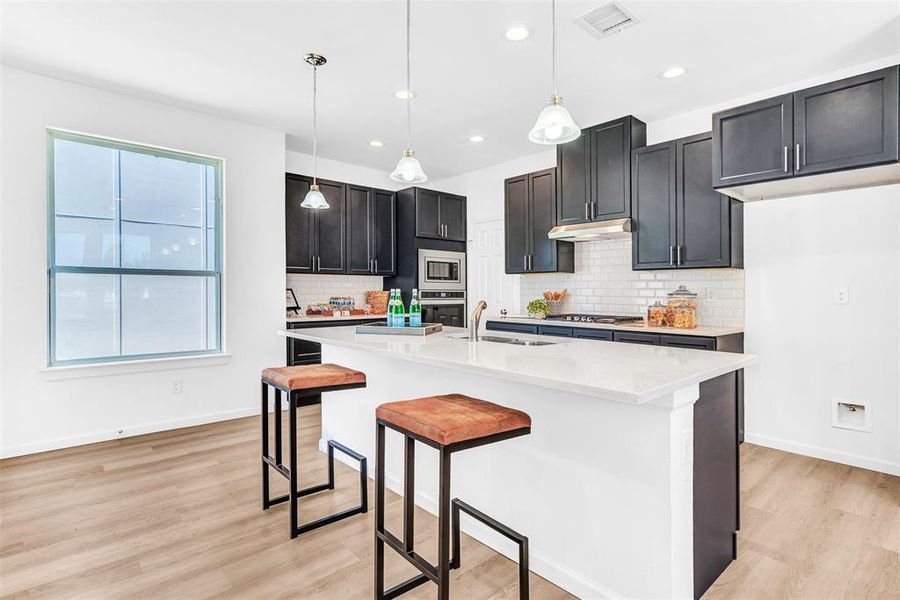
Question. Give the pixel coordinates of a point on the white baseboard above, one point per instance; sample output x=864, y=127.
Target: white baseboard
x=845, y=458
x=104, y=436
x=539, y=563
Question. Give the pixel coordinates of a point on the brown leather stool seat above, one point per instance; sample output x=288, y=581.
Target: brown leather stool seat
x=450, y=423
x=452, y=418
x=305, y=377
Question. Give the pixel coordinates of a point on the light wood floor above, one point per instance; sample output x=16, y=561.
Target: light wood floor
x=177, y=515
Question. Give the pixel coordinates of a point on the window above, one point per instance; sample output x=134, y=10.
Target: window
x=135, y=261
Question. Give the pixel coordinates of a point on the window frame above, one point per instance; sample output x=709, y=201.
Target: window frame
x=216, y=273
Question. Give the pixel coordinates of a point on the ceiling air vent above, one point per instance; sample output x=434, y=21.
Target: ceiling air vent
x=607, y=19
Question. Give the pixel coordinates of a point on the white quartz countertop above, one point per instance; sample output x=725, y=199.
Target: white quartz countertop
x=629, y=373
x=314, y=319
x=639, y=326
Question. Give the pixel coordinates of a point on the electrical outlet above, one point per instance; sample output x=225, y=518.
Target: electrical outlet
x=177, y=386
x=712, y=295
x=841, y=295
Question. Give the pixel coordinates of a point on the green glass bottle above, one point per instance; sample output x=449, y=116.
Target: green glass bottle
x=415, y=310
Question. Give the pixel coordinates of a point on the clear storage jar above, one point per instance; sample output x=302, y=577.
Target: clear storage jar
x=656, y=314
x=681, y=308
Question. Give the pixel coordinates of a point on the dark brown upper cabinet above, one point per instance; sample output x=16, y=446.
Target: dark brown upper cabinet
x=440, y=215
x=679, y=220
x=371, y=231
x=530, y=213
x=314, y=239
x=769, y=149
x=356, y=234
x=594, y=172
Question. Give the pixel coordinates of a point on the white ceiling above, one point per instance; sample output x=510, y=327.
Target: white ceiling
x=244, y=60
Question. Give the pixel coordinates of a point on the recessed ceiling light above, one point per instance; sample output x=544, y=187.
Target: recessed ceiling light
x=406, y=94
x=517, y=32
x=673, y=72
x=376, y=143
x=475, y=139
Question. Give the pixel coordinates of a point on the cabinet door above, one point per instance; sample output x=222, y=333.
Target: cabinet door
x=610, y=170
x=516, y=224
x=846, y=124
x=573, y=192
x=703, y=215
x=650, y=339
x=359, y=242
x=592, y=334
x=383, y=232
x=542, y=208
x=688, y=341
x=330, y=229
x=653, y=207
x=753, y=143
x=511, y=327
x=555, y=330
x=298, y=222
x=453, y=217
x=428, y=214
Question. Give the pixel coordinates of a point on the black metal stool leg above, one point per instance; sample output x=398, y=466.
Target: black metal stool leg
x=278, y=426
x=292, y=453
x=444, y=528
x=379, y=511
x=264, y=418
x=522, y=541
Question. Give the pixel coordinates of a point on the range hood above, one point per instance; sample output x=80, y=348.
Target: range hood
x=591, y=232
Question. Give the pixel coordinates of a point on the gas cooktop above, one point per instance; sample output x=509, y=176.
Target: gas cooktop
x=604, y=319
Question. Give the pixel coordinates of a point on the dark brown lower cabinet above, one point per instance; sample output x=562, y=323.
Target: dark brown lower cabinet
x=716, y=480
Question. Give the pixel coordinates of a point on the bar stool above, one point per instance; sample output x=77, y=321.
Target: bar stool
x=303, y=385
x=449, y=423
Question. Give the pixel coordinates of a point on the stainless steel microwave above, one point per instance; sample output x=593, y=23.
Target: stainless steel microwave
x=441, y=270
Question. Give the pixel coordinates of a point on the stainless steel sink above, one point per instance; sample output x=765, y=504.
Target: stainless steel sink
x=507, y=340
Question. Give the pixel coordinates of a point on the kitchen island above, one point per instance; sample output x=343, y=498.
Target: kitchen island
x=627, y=485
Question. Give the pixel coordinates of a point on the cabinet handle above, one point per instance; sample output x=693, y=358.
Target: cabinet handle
x=318, y=263
x=587, y=210
x=593, y=210
x=531, y=262
x=312, y=262
x=672, y=255
x=376, y=266
x=786, y=164
x=797, y=158
x=524, y=262
x=679, y=261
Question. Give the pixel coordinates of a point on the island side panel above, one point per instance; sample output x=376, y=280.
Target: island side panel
x=602, y=489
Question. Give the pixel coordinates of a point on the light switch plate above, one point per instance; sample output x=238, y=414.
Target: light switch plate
x=841, y=295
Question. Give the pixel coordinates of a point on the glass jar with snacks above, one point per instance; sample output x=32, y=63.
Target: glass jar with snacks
x=656, y=314
x=681, y=309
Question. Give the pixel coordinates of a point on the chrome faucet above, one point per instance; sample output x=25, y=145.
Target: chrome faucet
x=475, y=319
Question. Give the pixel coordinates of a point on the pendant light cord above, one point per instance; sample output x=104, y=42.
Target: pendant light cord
x=408, y=88
x=315, y=129
x=553, y=27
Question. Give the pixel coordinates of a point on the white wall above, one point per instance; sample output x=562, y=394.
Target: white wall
x=302, y=164
x=44, y=409
x=788, y=297
x=798, y=250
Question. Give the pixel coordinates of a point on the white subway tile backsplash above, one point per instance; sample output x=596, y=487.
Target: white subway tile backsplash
x=312, y=289
x=604, y=282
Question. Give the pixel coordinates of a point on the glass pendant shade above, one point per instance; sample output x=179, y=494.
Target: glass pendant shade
x=314, y=198
x=554, y=125
x=409, y=170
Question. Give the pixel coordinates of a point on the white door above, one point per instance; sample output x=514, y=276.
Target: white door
x=486, y=277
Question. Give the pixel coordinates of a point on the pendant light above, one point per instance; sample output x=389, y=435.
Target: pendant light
x=554, y=125
x=408, y=169
x=314, y=198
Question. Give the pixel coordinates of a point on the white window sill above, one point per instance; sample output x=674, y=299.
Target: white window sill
x=125, y=367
